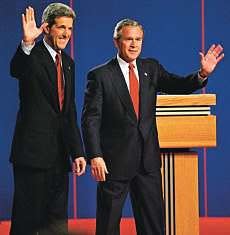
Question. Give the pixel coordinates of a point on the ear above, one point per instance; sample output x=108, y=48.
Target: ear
x=115, y=41
x=46, y=29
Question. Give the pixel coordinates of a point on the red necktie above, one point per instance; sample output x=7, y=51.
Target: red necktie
x=134, y=89
x=60, y=82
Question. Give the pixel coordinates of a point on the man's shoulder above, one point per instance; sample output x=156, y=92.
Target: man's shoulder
x=101, y=68
x=147, y=61
x=39, y=45
x=39, y=49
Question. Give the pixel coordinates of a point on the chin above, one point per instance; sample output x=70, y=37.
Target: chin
x=132, y=59
x=62, y=46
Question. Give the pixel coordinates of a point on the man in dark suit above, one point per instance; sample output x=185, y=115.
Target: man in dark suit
x=46, y=132
x=120, y=133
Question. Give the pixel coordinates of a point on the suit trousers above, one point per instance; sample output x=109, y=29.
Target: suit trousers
x=146, y=198
x=40, y=201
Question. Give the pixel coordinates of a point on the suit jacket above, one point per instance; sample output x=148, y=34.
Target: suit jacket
x=109, y=124
x=42, y=131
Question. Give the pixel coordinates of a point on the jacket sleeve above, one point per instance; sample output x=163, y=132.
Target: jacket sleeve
x=74, y=136
x=174, y=84
x=92, y=115
x=19, y=63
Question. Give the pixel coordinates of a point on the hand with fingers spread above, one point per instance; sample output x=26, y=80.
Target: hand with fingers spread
x=79, y=166
x=30, y=30
x=210, y=59
x=98, y=169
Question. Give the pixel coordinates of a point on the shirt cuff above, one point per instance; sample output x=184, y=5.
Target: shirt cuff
x=201, y=78
x=26, y=48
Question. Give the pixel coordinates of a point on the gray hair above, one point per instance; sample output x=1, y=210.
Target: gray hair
x=121, y=24
x=55, y=10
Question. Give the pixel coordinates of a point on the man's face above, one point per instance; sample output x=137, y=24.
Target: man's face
x=58, y=35
x=130, y=43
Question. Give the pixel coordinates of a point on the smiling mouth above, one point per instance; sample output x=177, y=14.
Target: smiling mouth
x=63, y=40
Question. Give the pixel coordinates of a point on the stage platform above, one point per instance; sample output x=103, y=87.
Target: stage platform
x=208, y=226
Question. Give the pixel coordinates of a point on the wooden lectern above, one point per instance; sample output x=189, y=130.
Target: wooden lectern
x=184, y=121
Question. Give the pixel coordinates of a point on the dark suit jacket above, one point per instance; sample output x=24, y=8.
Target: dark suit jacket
x=109, y=124
x=42, y=130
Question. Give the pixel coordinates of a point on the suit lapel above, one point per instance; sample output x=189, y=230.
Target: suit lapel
x=143, y=84
x=48, y=64
x=48, y=81
x=50, y=86
x=68, y=81
x=121, y=88
x=144, y=79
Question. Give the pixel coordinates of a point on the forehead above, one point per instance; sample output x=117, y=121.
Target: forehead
x=132, y=31
x=64, y=20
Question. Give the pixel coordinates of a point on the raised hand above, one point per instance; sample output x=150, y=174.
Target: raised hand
x=211, y=59
x=30, y=30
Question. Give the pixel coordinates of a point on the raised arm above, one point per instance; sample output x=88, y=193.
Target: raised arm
x=30, y=32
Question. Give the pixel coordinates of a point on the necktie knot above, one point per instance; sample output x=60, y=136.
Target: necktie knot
x=131, y=66
x=58, y=58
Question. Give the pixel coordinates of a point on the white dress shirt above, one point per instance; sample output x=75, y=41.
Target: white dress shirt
x=125, y=69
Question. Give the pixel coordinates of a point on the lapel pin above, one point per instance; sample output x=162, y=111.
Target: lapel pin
x=145, y=74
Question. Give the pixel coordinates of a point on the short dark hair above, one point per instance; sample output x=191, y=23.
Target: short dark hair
x=54, y=10
x=125, y=22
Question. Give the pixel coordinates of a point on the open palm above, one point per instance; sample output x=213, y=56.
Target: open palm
x=30, y=30
x=211, y=59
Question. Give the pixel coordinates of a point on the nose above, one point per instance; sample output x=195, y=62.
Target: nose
x=66, y=33
x=133, y=44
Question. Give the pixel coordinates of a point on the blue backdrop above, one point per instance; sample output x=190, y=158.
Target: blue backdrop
x=172, y=35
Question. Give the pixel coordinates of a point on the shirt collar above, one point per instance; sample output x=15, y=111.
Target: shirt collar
x=123, y=63
x=50, y=49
